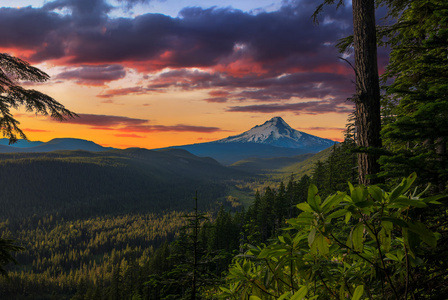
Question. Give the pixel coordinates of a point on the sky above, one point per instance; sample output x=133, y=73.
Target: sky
x=158, y=73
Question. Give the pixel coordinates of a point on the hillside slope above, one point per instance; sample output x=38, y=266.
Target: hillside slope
x=79, y=183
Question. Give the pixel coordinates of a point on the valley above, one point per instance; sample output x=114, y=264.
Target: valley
x=87, y=211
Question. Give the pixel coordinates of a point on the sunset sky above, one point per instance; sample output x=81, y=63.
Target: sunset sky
x=157, y=73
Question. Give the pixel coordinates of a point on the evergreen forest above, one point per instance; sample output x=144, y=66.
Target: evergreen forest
x=368, y=219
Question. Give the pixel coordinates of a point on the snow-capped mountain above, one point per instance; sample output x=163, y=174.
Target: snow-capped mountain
x=274, y=138
x=276, y=132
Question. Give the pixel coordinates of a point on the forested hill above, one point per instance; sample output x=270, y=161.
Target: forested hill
x=83, y=184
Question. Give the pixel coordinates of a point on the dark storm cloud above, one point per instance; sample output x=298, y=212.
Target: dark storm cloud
x=199, y=37
x=86, y=13
x=93, y=75
x=260, y=88
x=128, y=4
x=268, y=56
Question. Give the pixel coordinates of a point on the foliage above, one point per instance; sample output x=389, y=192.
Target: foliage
x=368, y=243
x=7, y=246
x=415, y=131
x=109, y=255
x=79, y=184
x=12, y=95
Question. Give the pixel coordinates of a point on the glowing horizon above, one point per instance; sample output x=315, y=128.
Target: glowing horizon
x=140, y=75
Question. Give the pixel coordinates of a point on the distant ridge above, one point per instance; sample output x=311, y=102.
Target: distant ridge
x=274, y=138
x=57, y=144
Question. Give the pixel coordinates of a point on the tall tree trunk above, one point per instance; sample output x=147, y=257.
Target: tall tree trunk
x=367, y=99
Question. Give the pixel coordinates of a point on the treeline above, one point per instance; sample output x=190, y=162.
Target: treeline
x=130, y=256
x=62, y=257
x=78, y=184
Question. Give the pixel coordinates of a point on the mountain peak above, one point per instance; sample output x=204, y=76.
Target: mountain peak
x=276, y=132
x=276, y=120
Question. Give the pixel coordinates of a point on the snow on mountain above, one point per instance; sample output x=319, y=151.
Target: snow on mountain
x=276, y=132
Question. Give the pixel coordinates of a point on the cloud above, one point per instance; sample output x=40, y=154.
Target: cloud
x=129, y=135
x=216, y=100
x=137, y=90
x=260, y=88
x=224, y=37
x=104, y=120
x=35, y=130
x=322, y=128
x=93, y=75
x=128, y=4
x=175, y=128
x=311, y=107
x=126, y=124
x=264, y=56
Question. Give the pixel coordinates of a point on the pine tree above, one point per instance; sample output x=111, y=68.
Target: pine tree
x=416, y=132
x=13, y=69
x=367, y=96
x=6, y=247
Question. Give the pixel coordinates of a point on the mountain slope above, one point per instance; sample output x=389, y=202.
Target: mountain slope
x=79, y=184
x=20, y=143
x=274, y=138
x=268, y=165
x=276, y=132
x=53, y=145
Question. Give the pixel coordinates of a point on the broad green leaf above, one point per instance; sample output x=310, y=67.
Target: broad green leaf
x=395, y=221
x=402, y=187
x=405, y=201
x=312, y=194
x=350, y=185
x=305, y=218
x=322, y=245
x=424, y=233
x=287, y=239
x=304, y=207
x=357, y=294
x=342, y=292
x=284, y=296
x=364, y=204
x=358, y=194
x=433, y=199
x=348, y=215
x=376, y=193
x=281, y=239
x=312, y=236
x=391, y=256
x=254, y=298
x=386, y=235
x=357, y=237
x=313, y=248
x=336, y=214
x=300, y=294
x=400, y=254
x=332, y=201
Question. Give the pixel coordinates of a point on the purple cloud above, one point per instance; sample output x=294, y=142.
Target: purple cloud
x=267, y=56
x=163, y=128
x=93, y=75
x=104, y=120
x=312, y=107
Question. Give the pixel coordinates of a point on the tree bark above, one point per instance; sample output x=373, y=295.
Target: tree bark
x=367, y=98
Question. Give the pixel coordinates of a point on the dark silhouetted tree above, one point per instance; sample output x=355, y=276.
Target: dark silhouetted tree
x=12, y=95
